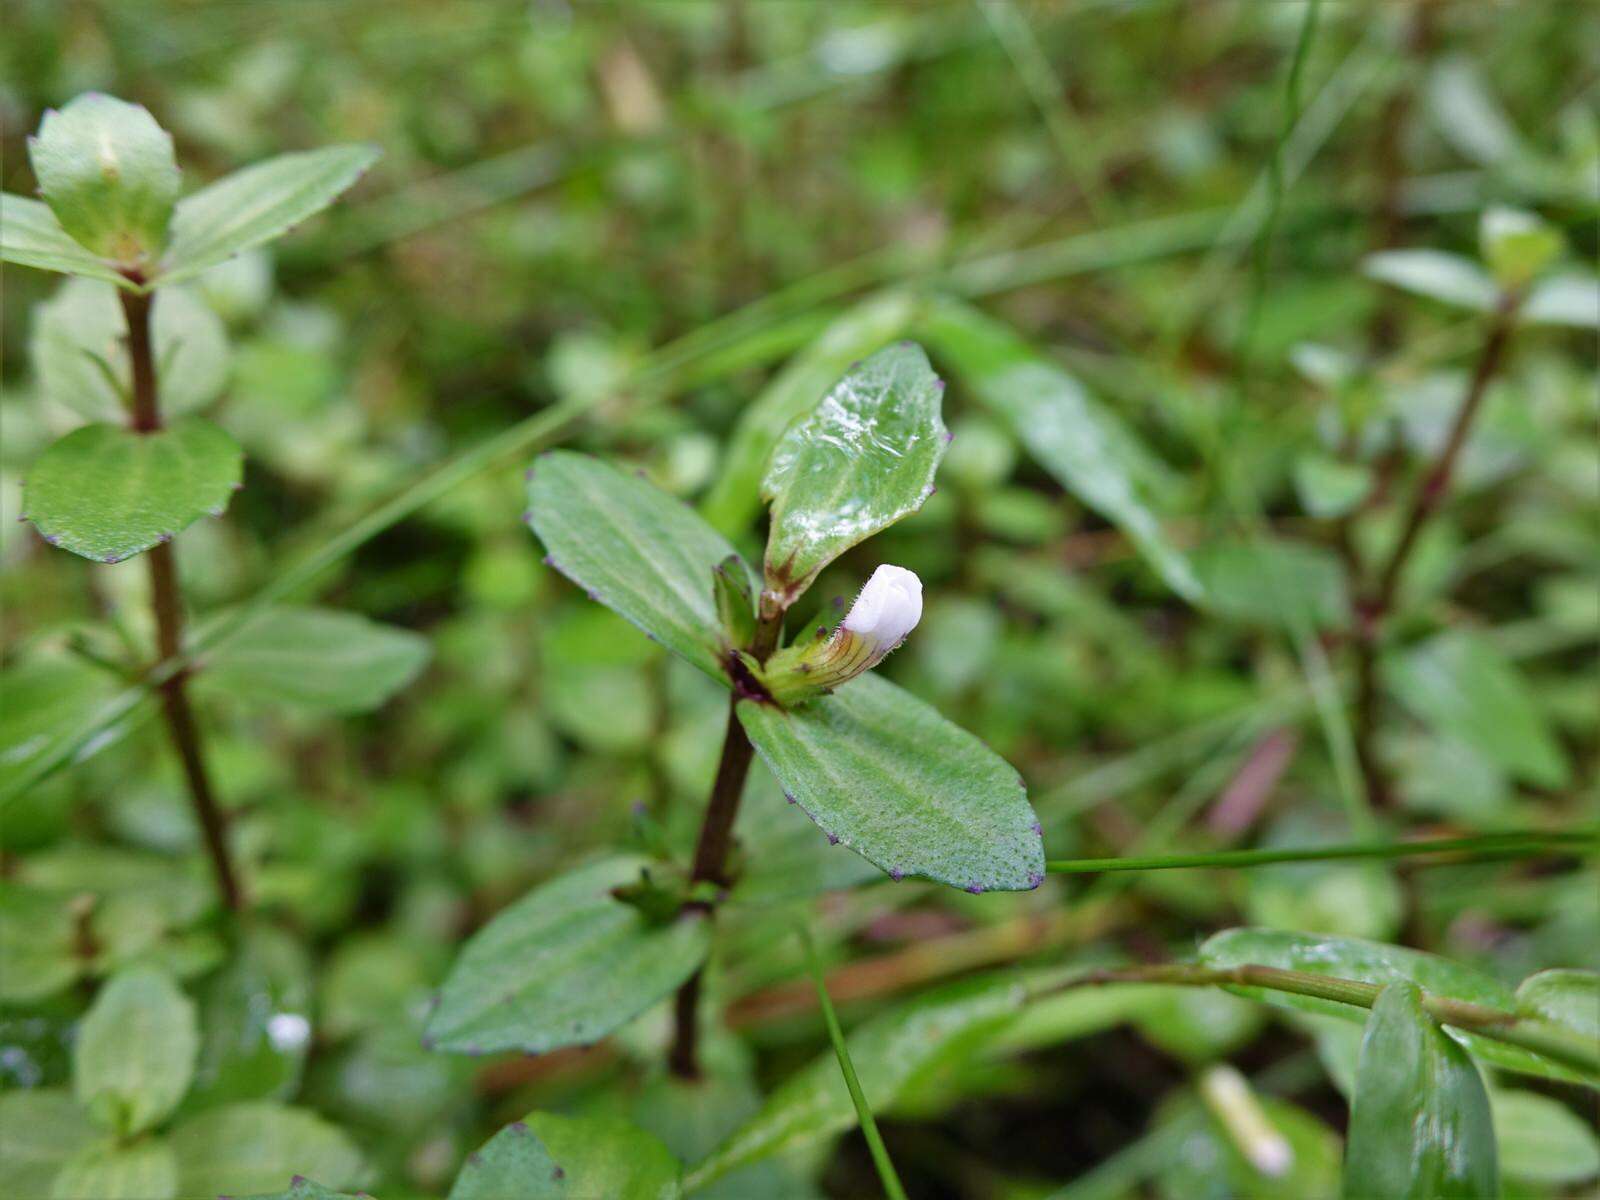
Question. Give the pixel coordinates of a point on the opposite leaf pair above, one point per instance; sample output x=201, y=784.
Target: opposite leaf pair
x=110, y=184
x=874, y=767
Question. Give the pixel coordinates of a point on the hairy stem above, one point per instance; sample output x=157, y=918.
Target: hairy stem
x=1556, y=1042
x=167, y=601
x=1375, y=607
x=713, y=846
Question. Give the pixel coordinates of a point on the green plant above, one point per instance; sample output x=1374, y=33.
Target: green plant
x=111, y=218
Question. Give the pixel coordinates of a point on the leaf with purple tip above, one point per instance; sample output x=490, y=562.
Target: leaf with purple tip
x=635, y=549
x=884, y=773
x=108, y=493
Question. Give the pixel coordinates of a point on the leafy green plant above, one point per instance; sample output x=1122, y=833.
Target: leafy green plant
x=111, y=217
x=1194, y=800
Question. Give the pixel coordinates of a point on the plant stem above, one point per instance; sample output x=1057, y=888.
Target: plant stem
x=869, y=1127
x=714, y=844
x=1511, y=843
x=1556, y=1042
x=1375, y=608
x=167, y=601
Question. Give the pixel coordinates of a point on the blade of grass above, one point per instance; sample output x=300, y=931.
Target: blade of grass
x=1510, y=843
x=869, y=1127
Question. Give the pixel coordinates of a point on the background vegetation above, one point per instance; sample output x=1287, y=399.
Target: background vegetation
x=641, y=230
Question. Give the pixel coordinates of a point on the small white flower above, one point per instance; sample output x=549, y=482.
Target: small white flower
x=887, y=609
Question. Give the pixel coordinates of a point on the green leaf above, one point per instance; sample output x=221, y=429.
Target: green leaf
x=546, y=1157
x=80, y=350
x=255, y=1024
x=735, y=497
x=1567, y=997
x=781, y=856
x=318, y=659
x=1461, y=685
x=1376, y=962
x=259, y=1147
x=30, y=236
x=304, y=1189
x=109, y=493
x=884, y=773
x=39, y=1132
x=144, y=1170
x=1084, y=445
x=1420, y=1127
x=637, y=550
x=107, y=171
x=257, y=204
x=1542, y=1141
x=1572, y=300
x=892, y=1053
x=1447, y=278
x=1273, y=581
x=1330, y=488
x=136, y=1051
x=564, y=966
x=38, y=943
x=40, y=699
x=861, y=460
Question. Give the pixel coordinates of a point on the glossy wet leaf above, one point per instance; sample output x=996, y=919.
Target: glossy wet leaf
x=318, y=659
x=891, y=1053
x=564, y=966
x=1377, y=962
x=136, y=1050
x=1420, y=1127
x=30, y=236
x=884, y=774
x=107, y=493
x=861, y=460
x=1542, y=1141
x=80, y=350
x=255, y=1023
x=258, y=204
x=1085, y=446
x=1447, y=278
x=39, y=1132
x=545, y=1156
x=144, y=1170
x=260, y=1147
x=108, y=172
x=637, y=550
x=734, y=499
x=1465, y=688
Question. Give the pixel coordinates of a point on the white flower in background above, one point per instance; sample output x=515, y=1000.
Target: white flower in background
x=887, y=609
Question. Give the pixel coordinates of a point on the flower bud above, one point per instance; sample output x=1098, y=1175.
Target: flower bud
x=887, y=609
